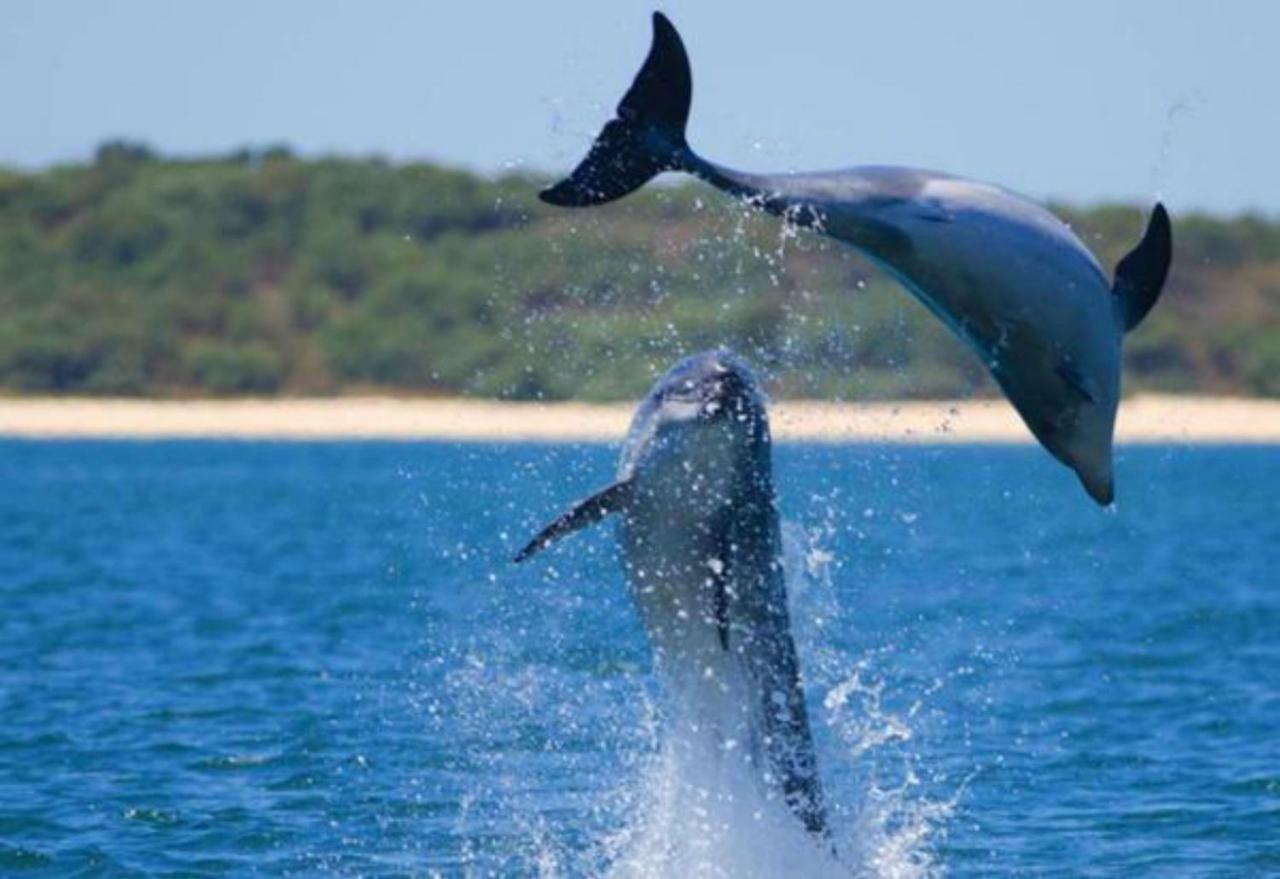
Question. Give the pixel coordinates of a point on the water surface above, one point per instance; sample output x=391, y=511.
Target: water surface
x=291, y=659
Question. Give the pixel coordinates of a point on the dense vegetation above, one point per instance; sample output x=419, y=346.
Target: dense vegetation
x=262, y=273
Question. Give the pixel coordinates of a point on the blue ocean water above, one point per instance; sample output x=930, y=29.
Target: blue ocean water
x=300, y=659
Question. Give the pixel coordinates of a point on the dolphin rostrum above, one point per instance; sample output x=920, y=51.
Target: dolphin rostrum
x=1008, y=277
x=698, y=528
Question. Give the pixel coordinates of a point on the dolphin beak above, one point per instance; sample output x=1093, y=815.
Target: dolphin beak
x=1101, y=487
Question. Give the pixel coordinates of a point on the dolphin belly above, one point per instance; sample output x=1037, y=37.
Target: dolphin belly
x=706, y=687
x=742, y=694
x=670, y=567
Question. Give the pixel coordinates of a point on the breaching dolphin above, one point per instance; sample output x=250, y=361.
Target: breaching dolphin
x=1008, y=277
x=699, y=533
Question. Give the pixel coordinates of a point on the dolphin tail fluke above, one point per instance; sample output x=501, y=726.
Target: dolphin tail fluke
x=1141, y=274
x=647, y=136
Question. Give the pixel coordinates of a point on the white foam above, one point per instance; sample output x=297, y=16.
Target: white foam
x=703, y=814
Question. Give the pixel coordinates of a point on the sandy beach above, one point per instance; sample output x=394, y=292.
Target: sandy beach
x=1143, y=419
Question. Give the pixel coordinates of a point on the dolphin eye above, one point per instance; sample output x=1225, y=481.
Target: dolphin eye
x=683, y=391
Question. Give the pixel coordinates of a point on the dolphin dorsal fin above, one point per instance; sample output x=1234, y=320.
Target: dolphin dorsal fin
x=580, y=515
x=1141, y=274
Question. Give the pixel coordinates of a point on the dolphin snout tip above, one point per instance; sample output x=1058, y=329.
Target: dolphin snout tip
x=1102, y=488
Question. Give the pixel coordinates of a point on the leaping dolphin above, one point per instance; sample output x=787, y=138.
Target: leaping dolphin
x=1008, y=277
x=700, y=537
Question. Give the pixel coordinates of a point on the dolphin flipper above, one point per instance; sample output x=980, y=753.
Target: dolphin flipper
x=719, y=582
x=719, y=566
x=1141, y=274
x=580, y=515
x=646, y=138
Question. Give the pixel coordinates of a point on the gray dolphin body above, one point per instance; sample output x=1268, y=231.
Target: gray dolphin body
x=699, y=533
x=1008, y=277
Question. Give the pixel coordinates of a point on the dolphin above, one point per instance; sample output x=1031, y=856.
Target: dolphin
x=1004, y=274
x=698, y=529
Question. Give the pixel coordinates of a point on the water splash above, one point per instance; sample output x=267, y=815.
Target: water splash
x=892, y=825
x=703, y=815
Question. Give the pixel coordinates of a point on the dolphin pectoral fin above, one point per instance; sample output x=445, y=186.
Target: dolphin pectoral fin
x=1077, y=382
x=719, y=574
x=720, y=604
x=580, y=515
x=646, y=137
x=722, y=618
x=1140, y=276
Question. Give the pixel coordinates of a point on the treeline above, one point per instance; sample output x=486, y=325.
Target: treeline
x=262, y=273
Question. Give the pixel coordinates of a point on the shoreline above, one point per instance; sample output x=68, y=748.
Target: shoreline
x=1142, y=419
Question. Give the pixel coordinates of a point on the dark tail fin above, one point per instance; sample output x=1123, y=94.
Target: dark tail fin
x=646, y=138
x=1140, y=275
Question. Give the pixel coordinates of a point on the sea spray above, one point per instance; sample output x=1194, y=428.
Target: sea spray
x=884, y=822
x=703, y=814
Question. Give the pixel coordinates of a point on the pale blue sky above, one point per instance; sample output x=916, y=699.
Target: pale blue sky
x=1081, y=100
